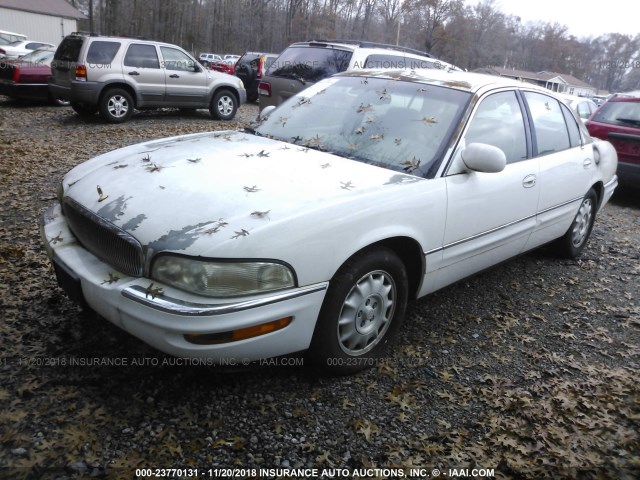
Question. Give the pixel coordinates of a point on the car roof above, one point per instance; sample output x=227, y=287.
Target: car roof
x=465, y=81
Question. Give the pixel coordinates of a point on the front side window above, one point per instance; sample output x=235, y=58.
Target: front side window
x=310, y=64
x=141, y=56
x=550, y=129
x=498, y=121
x=402, y=126
x=102, y=53
x=176, y=60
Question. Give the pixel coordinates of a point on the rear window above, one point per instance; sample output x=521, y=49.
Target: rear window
x=101, y=52
x=625, y=114
x=310, y=64
x=69, y=49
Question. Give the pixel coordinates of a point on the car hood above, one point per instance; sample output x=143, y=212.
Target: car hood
x=191, y=193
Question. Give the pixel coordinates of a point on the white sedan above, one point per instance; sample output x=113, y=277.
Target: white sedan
x=311, y=232
x=20, y=48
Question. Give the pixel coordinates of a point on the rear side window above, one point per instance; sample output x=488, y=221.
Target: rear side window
x=101, y=52
x=69, y=49
x=310, y=64
x=625, y=114
x=548, y=121
x=574, y=130
x=141, y=56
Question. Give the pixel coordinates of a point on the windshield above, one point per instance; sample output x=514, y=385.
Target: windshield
x=38, y=57
x=400, y=125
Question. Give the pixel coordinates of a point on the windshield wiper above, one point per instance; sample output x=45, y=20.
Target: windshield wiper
x=632, y=121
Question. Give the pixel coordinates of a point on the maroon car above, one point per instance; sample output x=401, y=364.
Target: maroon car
x=224, y=66
x=618, y=120
x=27, y=78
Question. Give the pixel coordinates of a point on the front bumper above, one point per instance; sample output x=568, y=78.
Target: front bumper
x=161, y=315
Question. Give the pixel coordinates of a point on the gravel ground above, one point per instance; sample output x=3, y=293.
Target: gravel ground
x=530, y=369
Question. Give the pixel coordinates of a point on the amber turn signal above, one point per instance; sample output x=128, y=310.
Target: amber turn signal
x=235, y=335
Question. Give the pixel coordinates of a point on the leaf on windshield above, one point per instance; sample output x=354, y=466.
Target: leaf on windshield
x=428, y=120
x=376, y=136
x=302, y=101
x=253, y=189
x=397, y=141
x=281, y=121
x=352, y=146
x=410, y=165
x=371, y=119
x=314, y=142
x=347, y=185
x=364, y=108
x=360, y=130
x=384, y=95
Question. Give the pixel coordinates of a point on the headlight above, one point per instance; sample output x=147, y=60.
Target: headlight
x=221, y=279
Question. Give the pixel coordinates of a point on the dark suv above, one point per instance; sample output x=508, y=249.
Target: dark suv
x=304, y=63
x=115, y=75
x=618, y=120
x=250, y=68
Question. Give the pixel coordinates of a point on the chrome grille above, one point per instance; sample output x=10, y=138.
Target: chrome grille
x=106, y=241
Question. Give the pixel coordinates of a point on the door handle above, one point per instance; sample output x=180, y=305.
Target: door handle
x=529, y=181
x=174, y=76
x=134, y=73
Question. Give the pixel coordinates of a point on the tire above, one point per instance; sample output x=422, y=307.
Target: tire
x=116, y=105
x=84, y=109
x=572, y=243
x=224, y=105
x=362, y=311
x=245, y=73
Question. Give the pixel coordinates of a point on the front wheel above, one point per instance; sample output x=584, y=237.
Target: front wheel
x=573, y=242
x=362, y=311
x=116, y=105
x=224, y=105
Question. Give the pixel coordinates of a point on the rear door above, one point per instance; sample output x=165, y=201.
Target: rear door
x=567, y=167
x=186, y=82
x=141, y=68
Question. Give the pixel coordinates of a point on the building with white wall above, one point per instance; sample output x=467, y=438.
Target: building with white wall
x=43, y=20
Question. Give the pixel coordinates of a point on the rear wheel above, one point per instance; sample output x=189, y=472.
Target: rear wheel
x=362, y=311
x=84, y=109
x=224, y=105
x=116, y=105
x=573, y=242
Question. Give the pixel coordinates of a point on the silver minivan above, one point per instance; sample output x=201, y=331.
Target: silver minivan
x=115, y=75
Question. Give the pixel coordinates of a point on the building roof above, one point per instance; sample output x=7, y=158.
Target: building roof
x=56, y=8
x=543, y=76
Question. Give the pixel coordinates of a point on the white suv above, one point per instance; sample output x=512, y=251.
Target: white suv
x=304, y=63
x=115, y=75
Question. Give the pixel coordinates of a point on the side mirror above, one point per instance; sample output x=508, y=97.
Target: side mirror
x=481, y=157
x=266, y=111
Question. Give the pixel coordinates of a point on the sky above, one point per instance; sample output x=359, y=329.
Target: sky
x=582, y=18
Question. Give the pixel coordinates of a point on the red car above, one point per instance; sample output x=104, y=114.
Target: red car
x=618, y=120
x=27, y=78
x=224, y=66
